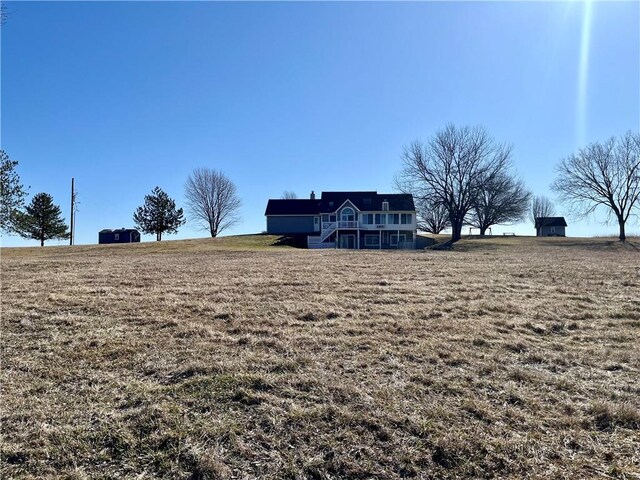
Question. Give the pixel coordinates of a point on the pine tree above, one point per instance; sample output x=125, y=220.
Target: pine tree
x=41, y=220
x=158, y=214
x=12, y=193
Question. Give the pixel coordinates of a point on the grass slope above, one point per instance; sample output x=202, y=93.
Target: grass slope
x=233, y=242
x=504, y=358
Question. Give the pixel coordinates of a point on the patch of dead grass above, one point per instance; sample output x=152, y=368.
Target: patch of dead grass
x=201, y=360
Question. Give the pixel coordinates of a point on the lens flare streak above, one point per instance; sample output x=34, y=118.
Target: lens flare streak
x=583, y=73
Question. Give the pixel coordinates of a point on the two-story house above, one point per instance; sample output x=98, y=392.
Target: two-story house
x=346, y=220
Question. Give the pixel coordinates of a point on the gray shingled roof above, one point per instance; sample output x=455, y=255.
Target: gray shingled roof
x=550, y=222
x=331, y=201
x=366, y=201
x=292, y=207
x=117, y=230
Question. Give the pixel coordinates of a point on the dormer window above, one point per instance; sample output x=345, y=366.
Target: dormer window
x=385, y=205
x=348, y=215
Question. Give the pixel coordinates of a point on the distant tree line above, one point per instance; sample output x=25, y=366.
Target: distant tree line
x=541, y=206
x=212, y=199
x=211, y=196
x=40, y=220
x=603, y=176
x=463, y=176
x=289, y=195
x=459, y=176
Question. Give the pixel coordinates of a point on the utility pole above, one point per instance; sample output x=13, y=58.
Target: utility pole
x=73, y=208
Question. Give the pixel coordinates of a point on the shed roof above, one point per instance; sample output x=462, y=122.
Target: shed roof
x=550, y=222
x=118, y=230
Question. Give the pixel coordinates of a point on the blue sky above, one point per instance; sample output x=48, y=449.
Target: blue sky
x=125, y=96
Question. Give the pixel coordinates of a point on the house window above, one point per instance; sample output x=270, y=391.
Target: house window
x=395, y=238
x=385, y=205
x=348, y=215
x=406, y=219
x=367, y=218
x=116, y=236
x=371, y=240
x=332, y=218
x=366, y=201
x=381, y=218
x=393, y=218
x=553, y=229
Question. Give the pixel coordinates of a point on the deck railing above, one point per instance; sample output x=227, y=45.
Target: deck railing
x=322, y=245
x=348, y=224
x=387, y=226
x=366, y=226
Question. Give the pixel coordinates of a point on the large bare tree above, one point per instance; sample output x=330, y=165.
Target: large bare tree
x=289, y=195
x=541, y=206
x=502, y=199
x=432, y=218
x=603, y=175
x=212, y=200
x=448, y=170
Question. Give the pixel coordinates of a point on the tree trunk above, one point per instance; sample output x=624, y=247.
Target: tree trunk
x=483, y=230
x=158, y=236
x=622, y=237
x=456, y=231
x=42, y=242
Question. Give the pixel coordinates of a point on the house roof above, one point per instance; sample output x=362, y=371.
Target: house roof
x=366, y=201
x=292, y=207
x=550, y=222
x=330, y=202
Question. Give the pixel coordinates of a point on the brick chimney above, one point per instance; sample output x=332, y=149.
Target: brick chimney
x=313, y=195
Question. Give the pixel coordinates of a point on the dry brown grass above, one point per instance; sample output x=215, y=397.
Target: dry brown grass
x=504, y=358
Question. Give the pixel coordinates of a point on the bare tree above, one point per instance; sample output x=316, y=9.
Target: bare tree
x=603, y=174
x=541, y=206
x=447, y=169
x=3, y=13
x=502, y=199
x=212, y=200
x=432, y=218
x=289, y=195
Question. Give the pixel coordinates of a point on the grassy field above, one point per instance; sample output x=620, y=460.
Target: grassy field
x=231, y=358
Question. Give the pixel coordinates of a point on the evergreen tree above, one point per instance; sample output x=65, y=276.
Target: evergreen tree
x=12, y=193
x=158, y=214
x=41, y=220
